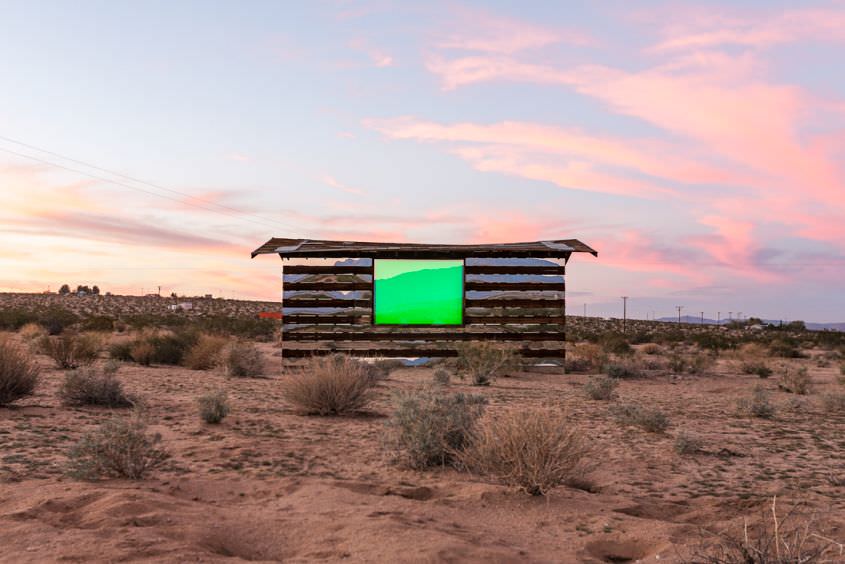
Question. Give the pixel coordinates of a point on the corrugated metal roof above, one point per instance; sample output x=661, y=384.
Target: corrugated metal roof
x=309, y=248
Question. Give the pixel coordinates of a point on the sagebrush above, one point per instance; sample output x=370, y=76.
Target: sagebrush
x=71, y=350
x=213, y=406
x=87, y=386
x=18, y=372
x=483, y=361
x=330, y=385
x=242, y=360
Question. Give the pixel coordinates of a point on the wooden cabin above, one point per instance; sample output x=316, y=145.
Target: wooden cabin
x=410, y=300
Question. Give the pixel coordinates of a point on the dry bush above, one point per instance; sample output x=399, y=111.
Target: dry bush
x=650, y=419
x=535, y=450
x=758, y=367
x=119, y=448
x=429, y=427
x=330, y=385
x=382, y=368
x=601, y=388
x=214, y=406
x=758, y=405
x=18, y=372
x=32, y=332
x=794, y=537
x=240, y=359
x=142, y=352
x=85, y=386
x=205, y=353
x=796, y=381
x=71, y=350
x=752, y=351
x=652, y=349
x=687, y=443
x=628, y=368
x=694, y=363
x=834, y=402
x=442, y=377
x=585, y=357
x=121, y=351
x=483, y=361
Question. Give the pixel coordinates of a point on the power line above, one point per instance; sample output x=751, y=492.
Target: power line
x=222, y=209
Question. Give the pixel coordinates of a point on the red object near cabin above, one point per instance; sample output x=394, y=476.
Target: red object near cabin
x=269, y=315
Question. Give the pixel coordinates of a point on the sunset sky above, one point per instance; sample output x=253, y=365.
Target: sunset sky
x=699, y=147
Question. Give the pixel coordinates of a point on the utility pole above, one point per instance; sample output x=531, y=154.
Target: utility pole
x=624, y=312
x=730, y=316
x=702, y=318
x=718, y=318
x=585, y=311
x=679, y=313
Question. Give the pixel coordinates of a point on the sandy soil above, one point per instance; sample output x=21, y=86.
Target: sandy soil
x=268, y=485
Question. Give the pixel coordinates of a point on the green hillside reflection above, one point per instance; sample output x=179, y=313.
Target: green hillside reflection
x=419, y=292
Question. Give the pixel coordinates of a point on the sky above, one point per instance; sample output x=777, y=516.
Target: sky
x=698, y=146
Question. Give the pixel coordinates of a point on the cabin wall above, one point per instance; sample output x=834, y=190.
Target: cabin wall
x=329, y=308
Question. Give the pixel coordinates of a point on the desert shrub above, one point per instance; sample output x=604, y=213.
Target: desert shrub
x=652, y=348
x=483, y=361
x=205, y=353
x=687, y=443
x=121, y=351
x=796, y=381
x=171, y=348
x=12, y=319
x=142, y=352
x=650, y=419
x=626, y=369
x=18, y=373
x=32, y=332
x=615, y=343
x=752, y=352
x=652, y=363
x=428, y=427
x=442, y=377
x=601, y=387
x=244, y=327
x=712, y=341
x=776, y=537
x=55, y=320
x=758, y=405
x=382, y=368
x=119, y=448
x=85, y=386
x=786, y=348
x=759, y=368
x=586, y=357
x=577, y=365
x=330, y=385
x=834, y=402
x=71, y=350
x=535, y=450
x=214, y=406
x=242, y=360
x=98, y=323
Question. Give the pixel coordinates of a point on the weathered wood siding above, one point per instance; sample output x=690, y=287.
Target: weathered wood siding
x=329, y=308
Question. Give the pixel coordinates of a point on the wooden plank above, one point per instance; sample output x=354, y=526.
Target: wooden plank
x=514, y=302
x=334, y=286
x=409, y=353
x=324, y=269
x=513, y=319
x=323, y=335
x=326, y=278
x=516, y=286
x=328, y=319
x=331, y=302
x=514, y=269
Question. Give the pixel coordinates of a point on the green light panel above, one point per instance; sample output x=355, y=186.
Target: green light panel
x=419, y=292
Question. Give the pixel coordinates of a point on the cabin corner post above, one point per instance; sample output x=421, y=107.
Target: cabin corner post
x=563, y=319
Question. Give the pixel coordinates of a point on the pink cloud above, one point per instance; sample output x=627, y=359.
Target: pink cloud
x=377, y=56
x=329, y=180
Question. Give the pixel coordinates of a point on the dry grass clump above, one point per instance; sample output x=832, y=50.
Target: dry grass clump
x=652, y=349
x=796, y=381
x=330, y=385
x=535, y=450
x=758, y=367
x=442, y=377
x=628, y=368
x=694, y=363
x=834, y=402
x=787, y=538
x=32, y=332
x=86, y=386
x=601, y=388
x=18, y=372
x=585, y=357
x=483, y=361
x=205, y=353
x=758, y=405
x=650, y=419
x=119, y=448
x=213, y=406
x=687, y=443
x=142, y=352
x=71, y=350
x=242, y=360
x=429, y=427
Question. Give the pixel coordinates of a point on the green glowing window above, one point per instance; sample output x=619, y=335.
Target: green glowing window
x=419, y=292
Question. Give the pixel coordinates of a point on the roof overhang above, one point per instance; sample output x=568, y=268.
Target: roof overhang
x=310, y=248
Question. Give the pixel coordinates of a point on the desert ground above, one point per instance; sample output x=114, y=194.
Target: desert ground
x=268, y=484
